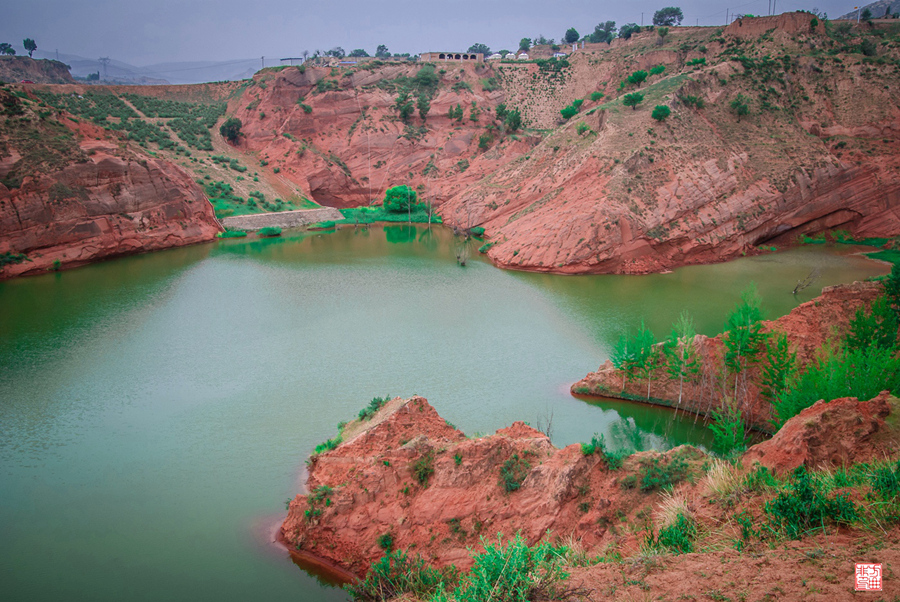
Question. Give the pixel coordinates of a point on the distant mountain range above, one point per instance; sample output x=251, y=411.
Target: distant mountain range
x=877, y=9
x=194, y=72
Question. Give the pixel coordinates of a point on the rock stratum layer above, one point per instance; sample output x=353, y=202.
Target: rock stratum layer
x=611, y=190
x=367, y=487
x=15, y=69
x=71, y=194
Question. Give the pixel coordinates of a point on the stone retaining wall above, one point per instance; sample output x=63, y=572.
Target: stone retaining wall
x=281, y=219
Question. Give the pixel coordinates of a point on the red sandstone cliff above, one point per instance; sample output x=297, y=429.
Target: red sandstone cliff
x=630, y=195
x=71, y=194
x=366, y=488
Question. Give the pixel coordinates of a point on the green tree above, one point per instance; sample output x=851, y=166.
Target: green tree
x=628, y=30
x=866, y=15
x=740, y=106
x=7, y=49
x=525, y=44
x=682, y=361
x=513, y=120
x=637, y=78
x=231, y=129
x=892, y=288
x=660, y=112
x=729, y=431
x=633, y=100
x=623, y=357
x=568, y=112
x=424, y=105
x=482, y=48
x=358, y=52
x=671, y=15
x=382, y=51
x=657, y=69
x=603, y=33
x=571, y=36
x=337, y=52
x=744, y=338
x=646, y=354
x=404, y=105
x=399, y=199
x=780, y=366
x=29, y=45
x=662, y=32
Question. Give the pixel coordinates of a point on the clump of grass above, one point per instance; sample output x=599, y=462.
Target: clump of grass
x=597, y=445
x=423, y=468
x=513, y=472
x=678, y=537
x=397, y=574
x=803, y=506
x=232, y=234
x=328, y=445
x=722, y=482
x=269, y=232
x=386, y=541
x=318, y=498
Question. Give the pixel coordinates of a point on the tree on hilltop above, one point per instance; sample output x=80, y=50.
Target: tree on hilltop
x=382, y=51
x=671, y=15
x=525, y=44
x=337, y=52
x=29, y=45
x=628, y=30
x=571, y=36
x=482, y=48
x=7, y=49
x=603, y=32
x=358, y=52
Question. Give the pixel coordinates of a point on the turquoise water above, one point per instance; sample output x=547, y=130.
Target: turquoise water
x=156, y=411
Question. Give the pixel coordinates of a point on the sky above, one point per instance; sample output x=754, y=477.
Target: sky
x=148, y=32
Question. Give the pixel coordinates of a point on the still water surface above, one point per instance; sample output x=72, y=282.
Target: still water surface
x=155, y=411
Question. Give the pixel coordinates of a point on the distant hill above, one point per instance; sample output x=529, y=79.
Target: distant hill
x=18, y=68
x=877, y=9
x=194, y=72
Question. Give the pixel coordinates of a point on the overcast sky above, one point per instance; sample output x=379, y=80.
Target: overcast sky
x=152, y=31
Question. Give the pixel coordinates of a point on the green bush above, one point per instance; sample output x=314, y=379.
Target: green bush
x=657, y=69
x=486, y=247
x=10, y=258
x=513, y=472
x=595, y=96
x=231, y=129
x=232, y=234
x=660, y=112
x=656, y=475
x=693, y=101
x=400, y=199
x=306, y=108
x=637, y=78
x=397, y=574
x=568, y=112
x=885, y=481
x=697, y=61
x=804, y=506
x=423, y=468
x=376, y=404
x=269, y=231
x=678, y=537
x=581, y=128
x=328, y=445
x=386, y=542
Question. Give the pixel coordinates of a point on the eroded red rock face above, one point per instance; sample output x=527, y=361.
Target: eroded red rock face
x=807, y=327
x=832, y=433
x=107, y=201
x=374, y=490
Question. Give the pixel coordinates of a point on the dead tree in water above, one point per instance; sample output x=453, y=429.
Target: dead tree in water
x=802, y=284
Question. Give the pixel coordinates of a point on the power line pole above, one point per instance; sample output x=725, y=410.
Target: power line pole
x=104, y=61
x=263, y=59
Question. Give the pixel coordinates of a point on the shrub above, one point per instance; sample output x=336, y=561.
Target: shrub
x=513, y=572
x=595, y=96
x=804, y=506
x=581, y=128
x=656, y=475
x=397, y=574
x=693, y=101
x=10, y=258
x=678, y=537
x=232, y=234
x=306, y=108
x=513, y=120
x=885, y=481
x=328, y=445
x=376, y=404
x=568, y=112
x=660, y=112
x=399, y=199
x=740, y=106
x=637, y=78
x=657, y=70
x=269, y=231
x=484, y=141
x=729, y=433
x=697, y=61
x=386, y=542
x=513, y=472
x=231, y=129
x=423, y=468
x=486, y=247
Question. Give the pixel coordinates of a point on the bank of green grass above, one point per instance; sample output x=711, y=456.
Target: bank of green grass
x=371, y=215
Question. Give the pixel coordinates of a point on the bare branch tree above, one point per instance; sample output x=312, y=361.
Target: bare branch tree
x=804, y=283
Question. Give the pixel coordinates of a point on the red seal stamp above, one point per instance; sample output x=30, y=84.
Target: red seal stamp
x=868, y=577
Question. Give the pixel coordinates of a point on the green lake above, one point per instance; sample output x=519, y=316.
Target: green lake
x=156, y=411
